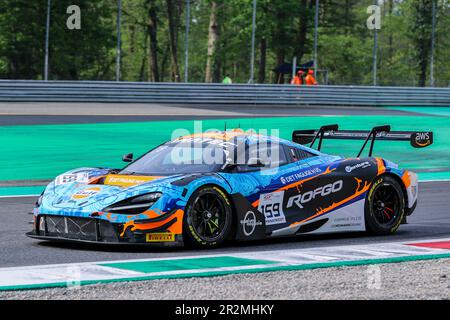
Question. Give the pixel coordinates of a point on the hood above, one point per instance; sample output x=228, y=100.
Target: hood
x=89, y=187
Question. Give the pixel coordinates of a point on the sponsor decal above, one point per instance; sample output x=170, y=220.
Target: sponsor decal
x=362, y=165
x=372, y=189
x=300, y=175
x=346, y=222
x=160, y=237
x=271, y=205
x=127, y=181
x=421, y=139
x=249, y=223
x=86, y=193
x=306, y=197
x=69, y=178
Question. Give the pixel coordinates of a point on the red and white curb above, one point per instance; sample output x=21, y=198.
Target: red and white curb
x=75, y=274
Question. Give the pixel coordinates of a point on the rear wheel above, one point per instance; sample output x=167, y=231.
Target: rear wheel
x=208, y=218
x=385, y=206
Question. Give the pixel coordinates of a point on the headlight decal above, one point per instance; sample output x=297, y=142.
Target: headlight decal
x=135, y=205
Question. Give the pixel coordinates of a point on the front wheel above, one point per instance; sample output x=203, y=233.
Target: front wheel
x=385, y=206
x=208, y=218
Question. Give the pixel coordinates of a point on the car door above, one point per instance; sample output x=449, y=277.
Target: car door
x=275, y=204
x=267, y=195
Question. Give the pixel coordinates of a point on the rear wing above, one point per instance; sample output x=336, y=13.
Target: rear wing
x=417, y=139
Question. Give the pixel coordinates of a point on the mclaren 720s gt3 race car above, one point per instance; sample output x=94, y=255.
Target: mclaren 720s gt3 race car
x=256, y=187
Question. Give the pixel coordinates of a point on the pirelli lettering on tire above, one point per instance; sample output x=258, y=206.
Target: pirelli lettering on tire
x=385, y=206
x=196, y=237
x=375, y=184
x=225, y=197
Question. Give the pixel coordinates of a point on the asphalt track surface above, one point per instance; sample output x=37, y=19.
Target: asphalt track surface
x=12, y=114
x=431, y=220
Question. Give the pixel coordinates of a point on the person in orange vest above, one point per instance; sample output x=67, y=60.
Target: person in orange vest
x=298, y=79
x=310, y=80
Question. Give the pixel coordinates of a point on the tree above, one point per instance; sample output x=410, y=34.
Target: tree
x=22, y=44
x=74, y=54
x=220, y=40
x=305, y=20
x=421, y=35
x=86, y=54
x=213, y=36
x=152, y=32
x=262, y=60
x=173, y=17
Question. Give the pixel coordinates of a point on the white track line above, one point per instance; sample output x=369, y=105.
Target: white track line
x=20, y=196
x=428, y=181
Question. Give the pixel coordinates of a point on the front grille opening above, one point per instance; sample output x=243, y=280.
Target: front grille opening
x=87, y=229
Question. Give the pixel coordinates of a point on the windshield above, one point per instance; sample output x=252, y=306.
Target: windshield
x=179, y=158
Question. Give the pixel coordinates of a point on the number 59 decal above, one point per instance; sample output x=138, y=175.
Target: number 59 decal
x=271, y=205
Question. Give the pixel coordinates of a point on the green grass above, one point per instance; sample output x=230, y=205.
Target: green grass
x=436, y=111
x=20, y=191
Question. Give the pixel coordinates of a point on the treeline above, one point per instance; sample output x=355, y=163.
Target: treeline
x=153, y=40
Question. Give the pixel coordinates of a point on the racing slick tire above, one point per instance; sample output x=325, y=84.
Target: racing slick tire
x=208, y=218
x=385, y=206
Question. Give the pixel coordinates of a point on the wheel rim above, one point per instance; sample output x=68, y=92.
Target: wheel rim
x=385, y=205
x=208, y=217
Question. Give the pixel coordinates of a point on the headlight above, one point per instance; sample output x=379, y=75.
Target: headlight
x=134, y=205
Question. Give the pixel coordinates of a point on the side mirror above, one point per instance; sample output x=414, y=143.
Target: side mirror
x=256, y=163
x=128, y=158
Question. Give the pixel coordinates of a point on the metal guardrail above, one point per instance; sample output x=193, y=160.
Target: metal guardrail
x=178, y=93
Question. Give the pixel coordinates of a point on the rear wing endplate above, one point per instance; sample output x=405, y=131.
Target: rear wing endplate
x=417, y=139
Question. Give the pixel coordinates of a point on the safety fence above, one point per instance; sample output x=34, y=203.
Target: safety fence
x=236, y=94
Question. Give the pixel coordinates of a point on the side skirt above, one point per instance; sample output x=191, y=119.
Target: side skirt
x=251, y=223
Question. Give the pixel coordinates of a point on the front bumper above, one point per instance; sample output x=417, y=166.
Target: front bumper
x=98, y=231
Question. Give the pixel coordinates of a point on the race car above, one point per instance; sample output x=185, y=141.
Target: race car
x=204, y=189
